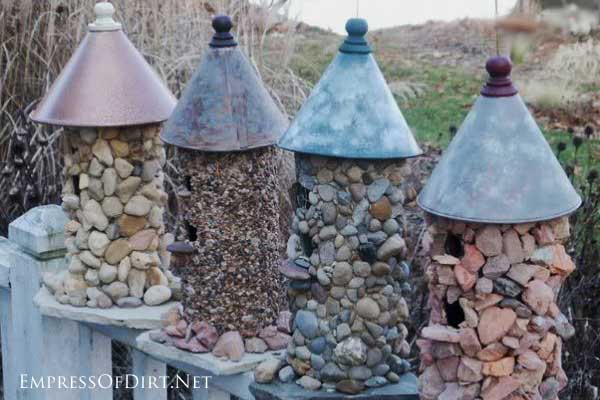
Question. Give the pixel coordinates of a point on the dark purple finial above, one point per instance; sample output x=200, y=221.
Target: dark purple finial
x=499, y=83
x=222, y=38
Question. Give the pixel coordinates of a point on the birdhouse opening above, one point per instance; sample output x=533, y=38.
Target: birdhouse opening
x=187, y=180
x=454, y=246
x=454, y=314
x=76, y=189
x=192, y=232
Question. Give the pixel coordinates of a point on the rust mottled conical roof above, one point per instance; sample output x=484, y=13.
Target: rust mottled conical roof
x=499, y=168
x=107, y=82
x=225, y=107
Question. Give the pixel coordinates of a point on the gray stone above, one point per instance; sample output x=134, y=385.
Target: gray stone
x=376, y=381
x=138, y=206
x=93, y=214
x=332, y=373
x=303, y=353
x=109, y=181
x=317, y=345
x=329, y=211
x=112, y=207
x=342, y=332
x=287, y=374
x=326, y=192
x=90, y=259
x=309, y=383
x=377, y=189
x=360, y=373
x=507, y=287
x=349, y=230
x=98, y=243
x=129, y=302
x=317, y=362
x=393, y=246
x=123, y=168
x=307, y=323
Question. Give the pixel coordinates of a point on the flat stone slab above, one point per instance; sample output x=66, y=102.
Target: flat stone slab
x=406, y=389
x=143, y=317
x=205, y=361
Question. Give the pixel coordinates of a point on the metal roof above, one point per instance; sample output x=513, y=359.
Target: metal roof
x=499, y=168
x=225, y=106
x=107, y=82
x=351, y=112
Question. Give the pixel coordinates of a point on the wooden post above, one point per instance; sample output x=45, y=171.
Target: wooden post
x=6, y=328
x=150, y=373
x=45, y=347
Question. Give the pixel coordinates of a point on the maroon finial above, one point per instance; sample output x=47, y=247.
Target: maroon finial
x=499, y=83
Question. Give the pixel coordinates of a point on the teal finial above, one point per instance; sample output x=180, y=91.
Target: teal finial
x=356, y=43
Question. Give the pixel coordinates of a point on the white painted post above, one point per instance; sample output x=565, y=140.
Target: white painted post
x=44, y=346
x=210, y=394
x=150, y=373
x=6, y=328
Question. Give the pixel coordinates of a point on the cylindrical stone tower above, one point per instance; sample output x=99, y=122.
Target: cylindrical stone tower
x=498, y=204
x=111, y=104
x=225, y=127
x=346, y=254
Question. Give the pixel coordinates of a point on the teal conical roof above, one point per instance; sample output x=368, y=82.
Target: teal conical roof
x=352, y=113
x=499, y=167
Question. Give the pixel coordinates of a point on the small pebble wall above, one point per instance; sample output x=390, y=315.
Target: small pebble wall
x=231, y=213
x=496, y=331
x=116, y=241
x=347, y=273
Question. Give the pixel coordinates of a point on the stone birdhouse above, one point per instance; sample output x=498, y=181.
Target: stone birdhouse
x=224, y=128
x=498, y=204
x=346, y=254
x=111, y=104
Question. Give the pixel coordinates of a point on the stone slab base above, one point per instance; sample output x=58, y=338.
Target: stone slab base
x=143, y=317
x=406, y=389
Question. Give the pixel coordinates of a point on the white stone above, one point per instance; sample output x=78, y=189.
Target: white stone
x=142, y=260
x=107, y=273
x=101, y=150
x=96, y=168
x=76, y=266
x=123, y=270
x=123, y=168
x=138, y=206
x=91, y=277
x=109, y=181
x=112, y=207
x=157, y=295
x=98, y=242
x=89, y=259
x=136, y=282
x=156, y=217
x=127, y=188
x=92, y=212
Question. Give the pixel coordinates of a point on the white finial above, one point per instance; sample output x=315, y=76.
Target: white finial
x=104, y=18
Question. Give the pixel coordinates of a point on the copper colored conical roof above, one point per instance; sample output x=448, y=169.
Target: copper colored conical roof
x=351, y=113
x=107, y=82
x=225, y=107
x=499, y=168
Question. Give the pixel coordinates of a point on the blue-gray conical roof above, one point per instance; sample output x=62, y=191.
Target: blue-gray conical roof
x=352, y=113
x=499, y=168
x=225, y=107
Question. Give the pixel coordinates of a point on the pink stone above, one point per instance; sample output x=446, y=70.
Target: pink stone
x=523, y=229
x=431, y=384
x=275, y=339
x=446, y=275
x=561, y=228
x=206, y=334
x=466, y=280
x=522, y=273
x=469, y=342
x=528, y=245
x=192, y=345
x=452, y=294
x=454, y=391
x=488, y=300
x=511, y=342
x=470, y=370
x=538, y=296
x=503, y=367
x=182, y=327
x=489, y=241
x=530, y=360
x=495, y=323
x=484, y=286
x=448, y=368
x=544, y=235
x=500, y=389
x=441, y=350
x=492, y=352
x=173, y=331
x=473, y=260
x=441, y=333
x=512, y=247
x=496, y=266
x=446, y=259
x=230, y=345
x=284, y=322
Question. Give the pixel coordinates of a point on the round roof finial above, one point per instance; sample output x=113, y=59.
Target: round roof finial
x=499, y=66
x=356, y=43
x=357, y=27
x=499, y=83
x=222, y=25
x=104, y=22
